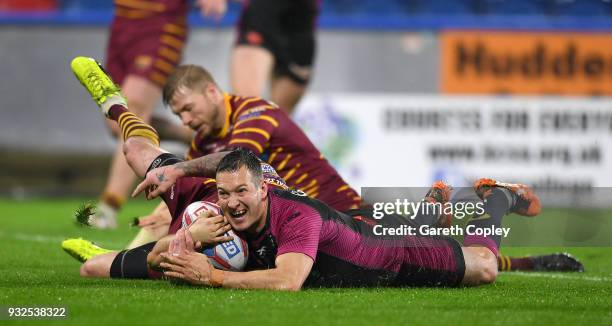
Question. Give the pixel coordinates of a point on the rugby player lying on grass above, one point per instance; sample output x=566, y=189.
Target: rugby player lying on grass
x=142, y=151
x=223, y=122
x=295, y=241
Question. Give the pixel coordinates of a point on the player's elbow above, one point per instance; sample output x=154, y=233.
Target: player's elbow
x=488, y=274
x=289, y=284
x=481, y=266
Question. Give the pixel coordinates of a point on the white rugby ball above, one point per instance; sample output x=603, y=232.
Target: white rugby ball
x=229, y=256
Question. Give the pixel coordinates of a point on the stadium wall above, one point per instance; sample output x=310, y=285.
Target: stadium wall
x=43, y=94
x=383, y=84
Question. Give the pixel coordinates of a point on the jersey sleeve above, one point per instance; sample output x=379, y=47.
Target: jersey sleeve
x=253, y=129
x=300, y=233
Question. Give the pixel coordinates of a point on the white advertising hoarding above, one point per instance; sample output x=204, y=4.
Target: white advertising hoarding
x=407, y=140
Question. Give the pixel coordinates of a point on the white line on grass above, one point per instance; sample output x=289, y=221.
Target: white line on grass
x=58, y=240
x=563, y=276
x=47, y=239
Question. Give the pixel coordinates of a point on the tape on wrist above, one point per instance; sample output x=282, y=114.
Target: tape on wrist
x=216, y=278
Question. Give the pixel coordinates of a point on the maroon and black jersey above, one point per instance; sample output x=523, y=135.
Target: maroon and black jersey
x=346, y=252
x=261, y=127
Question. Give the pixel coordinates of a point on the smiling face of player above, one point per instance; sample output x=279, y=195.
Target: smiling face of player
x=243, y=199
x=201, y=110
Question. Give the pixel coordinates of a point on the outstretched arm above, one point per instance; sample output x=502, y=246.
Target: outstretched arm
x=289, y=274
x=159, y=180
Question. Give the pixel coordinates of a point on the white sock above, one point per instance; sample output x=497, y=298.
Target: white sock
x=112, y=100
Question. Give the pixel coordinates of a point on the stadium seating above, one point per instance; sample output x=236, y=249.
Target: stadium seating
x=422, y=7
x=409, y=14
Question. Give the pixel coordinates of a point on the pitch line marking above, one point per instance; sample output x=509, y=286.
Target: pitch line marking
x=563, y=276
x=50, y=239
x=46, y=239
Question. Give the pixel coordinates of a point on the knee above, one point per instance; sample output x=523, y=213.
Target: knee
x=128, y=148
x=132, y=147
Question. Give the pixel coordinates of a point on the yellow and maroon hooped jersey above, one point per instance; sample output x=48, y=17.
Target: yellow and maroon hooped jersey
x=261, y=127
x=138, y=9
x=147, y=38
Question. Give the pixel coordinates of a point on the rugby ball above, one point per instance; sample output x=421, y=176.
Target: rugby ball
x=229, y=256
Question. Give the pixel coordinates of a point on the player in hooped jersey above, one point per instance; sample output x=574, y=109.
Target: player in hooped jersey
x=223, y=122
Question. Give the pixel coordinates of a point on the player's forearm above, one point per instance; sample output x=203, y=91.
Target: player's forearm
x=269, y=279
x=204, y=166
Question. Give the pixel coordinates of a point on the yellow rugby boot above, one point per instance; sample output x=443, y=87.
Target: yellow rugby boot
x=82, y=250
x=99, y=85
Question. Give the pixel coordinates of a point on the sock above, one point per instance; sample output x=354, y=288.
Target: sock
x=132, y=263
x=507, y=263
x=496, y=205
x=112, y=200
x=116, y=110
x=131, y=125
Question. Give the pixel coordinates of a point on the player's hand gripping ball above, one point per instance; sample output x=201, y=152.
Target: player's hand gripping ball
x=231, y=255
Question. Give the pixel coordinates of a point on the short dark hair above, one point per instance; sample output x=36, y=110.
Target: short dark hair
x=238, y=158
x=190, y=76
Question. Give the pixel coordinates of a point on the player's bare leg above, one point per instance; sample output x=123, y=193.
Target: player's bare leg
x=130, y=263
x=250, y=70
x=98, y=266
x=286, y=93
x=142, y=96
x=96, y=261
x=141, y=142
x=140, y=148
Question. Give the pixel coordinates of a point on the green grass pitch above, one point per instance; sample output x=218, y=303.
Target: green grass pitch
x=34, y=271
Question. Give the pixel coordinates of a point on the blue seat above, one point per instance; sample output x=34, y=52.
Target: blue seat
x=80, y=5
x=582, y=7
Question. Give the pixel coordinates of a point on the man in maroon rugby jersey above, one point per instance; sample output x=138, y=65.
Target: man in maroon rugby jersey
x=295, y=241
